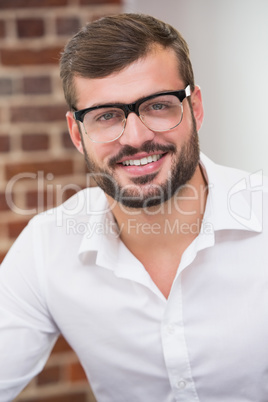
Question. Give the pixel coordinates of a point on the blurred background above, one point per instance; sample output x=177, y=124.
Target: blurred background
x=228, y=43
x=39, y=167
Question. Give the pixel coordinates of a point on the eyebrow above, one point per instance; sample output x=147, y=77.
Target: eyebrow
x=124, y=103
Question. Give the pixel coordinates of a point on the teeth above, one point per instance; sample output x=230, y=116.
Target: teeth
x=142, y=161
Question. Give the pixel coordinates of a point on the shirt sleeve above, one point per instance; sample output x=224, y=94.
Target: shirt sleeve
x=27, y=330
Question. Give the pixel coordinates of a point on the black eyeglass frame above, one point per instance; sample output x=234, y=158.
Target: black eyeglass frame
x=132, y=107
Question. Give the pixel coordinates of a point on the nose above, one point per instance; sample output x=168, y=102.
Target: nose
x=135, y=133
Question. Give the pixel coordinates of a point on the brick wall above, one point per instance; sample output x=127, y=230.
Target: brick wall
x=39, y=167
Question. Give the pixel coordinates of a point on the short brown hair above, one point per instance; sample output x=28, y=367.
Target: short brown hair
x=112, y=43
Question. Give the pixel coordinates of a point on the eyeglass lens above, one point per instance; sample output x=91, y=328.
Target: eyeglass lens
x=162, y=113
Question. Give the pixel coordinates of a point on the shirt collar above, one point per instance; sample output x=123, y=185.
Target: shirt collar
x=231, y=203
x=229, y=206
x=101, y=244
x=101, y=237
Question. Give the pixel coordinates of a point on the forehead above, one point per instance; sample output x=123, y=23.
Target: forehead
x=157, y=71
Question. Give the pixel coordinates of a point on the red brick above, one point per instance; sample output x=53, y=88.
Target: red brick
x=31, y=198
x=50, y=375
x=37, y=85
x=68, y=193
x=5, y=86
x=3, y=203
x=41, y=200
x=35, y=142
x=76, y=372
x=66, y=140
x=36, y=114
x=29, y=57
x=15, y=228
x=67, y=26
x=61, y=346
x=2, y=256
x=32, y=3
x=4, y=143
x=30, y=27
x=56, y=167
x=87, y=2
x=70, y=397
x=2, y=29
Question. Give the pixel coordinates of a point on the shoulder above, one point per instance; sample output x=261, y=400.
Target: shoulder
x=233, y=177
x=80, y=206
x=60, y=230
x=66, y=219
x=239, y=198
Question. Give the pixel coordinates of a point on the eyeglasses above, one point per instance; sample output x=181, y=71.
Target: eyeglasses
x=160, y=112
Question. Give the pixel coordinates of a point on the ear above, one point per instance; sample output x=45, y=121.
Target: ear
x=74, y=131
x=197, y=104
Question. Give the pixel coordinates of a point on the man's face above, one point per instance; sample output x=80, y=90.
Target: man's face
x=172, y=156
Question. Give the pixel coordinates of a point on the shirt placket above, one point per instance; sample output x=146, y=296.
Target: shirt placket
x=175, y=348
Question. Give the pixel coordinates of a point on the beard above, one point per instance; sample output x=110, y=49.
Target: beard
x=143, y=193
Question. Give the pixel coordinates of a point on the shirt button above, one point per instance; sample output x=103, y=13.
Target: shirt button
x=181, y=384
x=171, y=329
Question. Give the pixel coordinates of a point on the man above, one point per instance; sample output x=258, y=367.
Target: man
x=164, y=294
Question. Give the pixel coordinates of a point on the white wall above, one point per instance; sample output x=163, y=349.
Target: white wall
x=228, y=42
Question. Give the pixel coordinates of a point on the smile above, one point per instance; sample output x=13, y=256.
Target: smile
x=142, y=161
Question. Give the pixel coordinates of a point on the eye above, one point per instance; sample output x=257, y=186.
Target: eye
x=158, y=106
x=107, y=116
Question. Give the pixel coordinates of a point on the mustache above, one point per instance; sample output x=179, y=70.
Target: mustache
x=150, y=147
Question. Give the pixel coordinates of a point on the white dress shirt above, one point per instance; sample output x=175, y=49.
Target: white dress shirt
x=69, y=273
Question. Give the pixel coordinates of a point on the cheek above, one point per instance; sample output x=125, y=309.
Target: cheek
x=180, y=134
x=188, y=123
x=99, y=153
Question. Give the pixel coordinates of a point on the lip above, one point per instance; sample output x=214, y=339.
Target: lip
x=142, y=169
x=139, y=156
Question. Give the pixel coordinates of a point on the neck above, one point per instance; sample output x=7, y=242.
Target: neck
x=176, y=219
x=159, y=236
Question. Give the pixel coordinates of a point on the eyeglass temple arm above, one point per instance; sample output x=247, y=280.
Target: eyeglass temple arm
x=188, y=91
